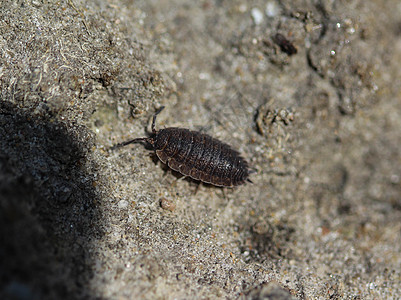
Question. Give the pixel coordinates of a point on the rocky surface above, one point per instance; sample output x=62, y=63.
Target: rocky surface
x=308, y=93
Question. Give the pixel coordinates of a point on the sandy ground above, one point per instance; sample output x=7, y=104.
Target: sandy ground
x=308, y=93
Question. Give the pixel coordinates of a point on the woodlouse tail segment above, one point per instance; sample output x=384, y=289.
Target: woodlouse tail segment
x=251, y=171
x=154, y=119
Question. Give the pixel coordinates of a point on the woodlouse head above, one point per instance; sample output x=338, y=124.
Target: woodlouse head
x=159, y=139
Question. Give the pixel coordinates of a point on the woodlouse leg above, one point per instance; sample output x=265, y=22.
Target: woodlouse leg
x=174, y=183
x=178, y=179
x=223, y=190
x=197, y=188
x=181, y=178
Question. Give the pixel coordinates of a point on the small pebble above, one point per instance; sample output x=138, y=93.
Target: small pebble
x=257, y=16
x=123, y=204
x=272, y=9
x=167, y=204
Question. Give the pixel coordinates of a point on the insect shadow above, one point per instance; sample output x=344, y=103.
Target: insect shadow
x=196, y=155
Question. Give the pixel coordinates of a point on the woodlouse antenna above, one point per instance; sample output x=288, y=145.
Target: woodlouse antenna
x=154, y=131
x=137, y=140
x=145, y=139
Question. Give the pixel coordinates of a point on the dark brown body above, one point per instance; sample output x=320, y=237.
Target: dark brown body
x=200, y=156
x=197, y=155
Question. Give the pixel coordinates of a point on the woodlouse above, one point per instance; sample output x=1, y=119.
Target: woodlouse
x=197, y=155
